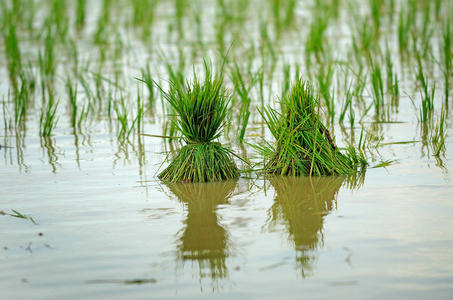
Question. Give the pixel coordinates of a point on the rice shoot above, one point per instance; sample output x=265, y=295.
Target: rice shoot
x=304, y=145
x=201, y=109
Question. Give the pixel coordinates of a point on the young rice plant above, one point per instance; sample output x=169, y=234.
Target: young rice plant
x=201, y=109
x=303, y=145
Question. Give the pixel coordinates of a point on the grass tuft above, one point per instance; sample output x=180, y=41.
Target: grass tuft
x=201, y=109
x=303, y=145
x=439, y=136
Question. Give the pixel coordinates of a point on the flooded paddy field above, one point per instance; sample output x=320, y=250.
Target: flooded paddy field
x=85, y=130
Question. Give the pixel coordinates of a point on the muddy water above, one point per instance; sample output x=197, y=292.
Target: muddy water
x=104, y=231
x=83, y=216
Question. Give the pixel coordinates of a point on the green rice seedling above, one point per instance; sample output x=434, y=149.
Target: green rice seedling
x=100, y=36
x=99, y=87
x=286, y=79
x=448, y=61
x=303, y=145
x=328, y=7
x=7, y=121
x=427, y=94
x=316, y=43
x=283, y=14
x=437, y=8
x=180, y=12
x=175, y=75
x=12, y=50
x=290, y=12
x=427, y=33
x=143, y=16
x=267, y=44
x=72, y=94
x=77, y=114
x=25, y=12
x=242, y=91
x=349, y=99
x=276, y=7
x=223, y=18
x=197, y=8
x=260, y=78
x=201, y=109
x=47, y=63
x=325, y=77
x=138, y=121
x=391, y=11
x=392, y=78
x=142, y=11
x=19, y=215
x=20, y=105
x=376, y=8
x=120, y=109
x=377, y=85
x=48, y=120
x=346, y=105
x=439, y=136
x=23, y=97
x=59, y=18
x=80, y=14
x=406, y=23
x=147, y=79
x=85, y=85
x=427, y=105
x=365, y=38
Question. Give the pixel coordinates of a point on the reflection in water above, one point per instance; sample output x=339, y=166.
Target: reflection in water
x=77, y=149
x=203, y=240
x=301, y=203
x=48, y=144
x=20, y=145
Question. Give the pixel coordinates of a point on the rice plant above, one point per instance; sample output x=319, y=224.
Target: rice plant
x=405, y=23
x=121, y=111
x=104, y=20
x=12, y=50
x=347, y=105
x=143, y=16
x=392, y=78
x=48, y=119
x=21, y=100
x=316, y=43
x=304, y=145
x=201, y=109
x=80, y=14
x=283, y=13
x=448, y=60
x=439, y=136
x=242, y=91
x=77, y=114
x=325, y=78
x=46, y=58
x=72, y=94
x=427, y=93
x=147, y=79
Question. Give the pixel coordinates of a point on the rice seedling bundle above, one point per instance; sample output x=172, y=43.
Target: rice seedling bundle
x=304, y=145
x=201, y=109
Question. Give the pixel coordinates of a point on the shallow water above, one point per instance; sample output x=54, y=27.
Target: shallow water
x=106, y=232
x=104, y=226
